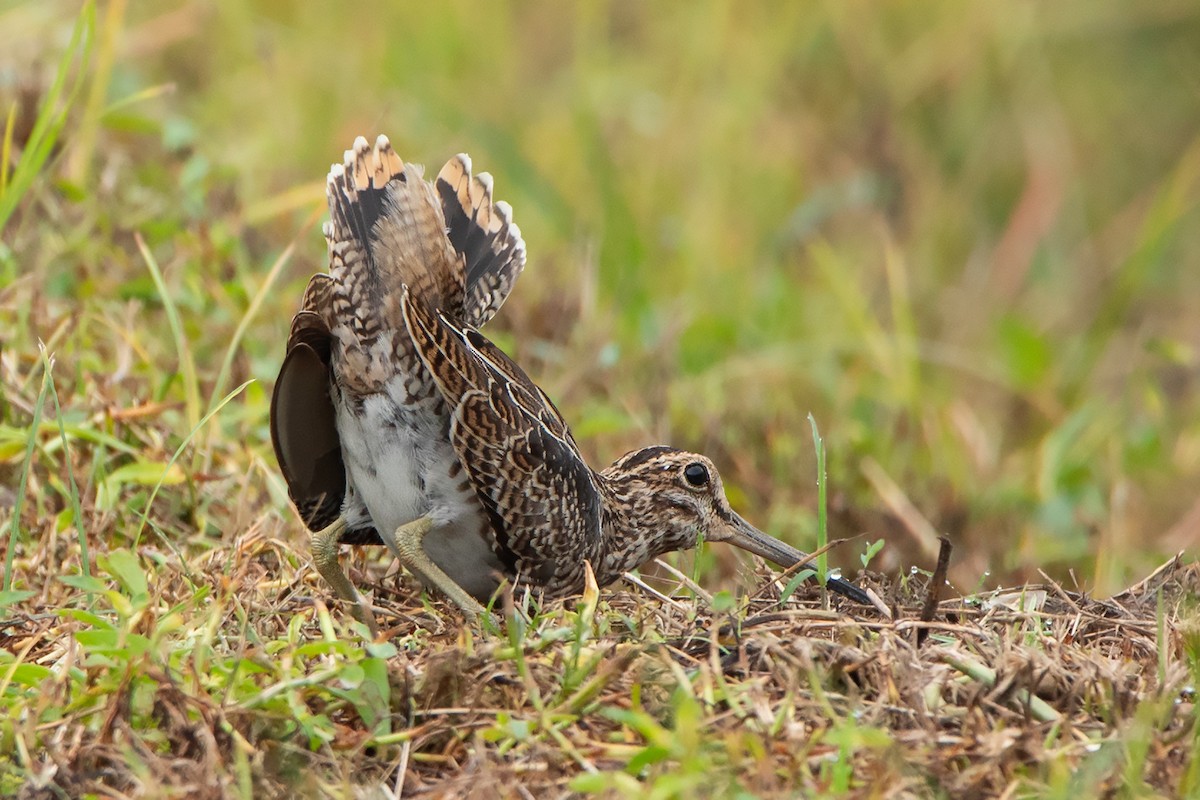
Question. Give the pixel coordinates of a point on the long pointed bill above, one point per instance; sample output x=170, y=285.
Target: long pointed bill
x=741, y=533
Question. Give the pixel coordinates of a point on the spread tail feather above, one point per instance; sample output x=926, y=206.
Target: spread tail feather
x=485, y=237
x=386, y=231
x=447, y=243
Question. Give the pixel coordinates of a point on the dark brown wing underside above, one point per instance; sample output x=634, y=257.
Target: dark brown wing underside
x=304, y=433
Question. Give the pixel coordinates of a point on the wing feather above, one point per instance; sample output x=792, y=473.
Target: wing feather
x=542, y=498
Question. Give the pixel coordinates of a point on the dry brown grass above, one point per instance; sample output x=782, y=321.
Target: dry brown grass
x=1007, y=694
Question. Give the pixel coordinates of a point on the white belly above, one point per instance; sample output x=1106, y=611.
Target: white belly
x=403, y=467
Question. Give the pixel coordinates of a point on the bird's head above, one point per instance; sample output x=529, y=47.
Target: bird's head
x=667, y=499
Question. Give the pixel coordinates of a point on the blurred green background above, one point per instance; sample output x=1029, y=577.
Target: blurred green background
x=964, y=236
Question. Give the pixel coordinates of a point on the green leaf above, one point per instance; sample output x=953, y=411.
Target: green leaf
x=13, y=596
x=31, y=674
x=102, y=641
x=381, y=650
x=376, y=692
x=84, y=583
x=12, y=442
x=794, y=584
x=600, y=782
x=322, y=648
x=651, y=754
x=125, y=567
x=137, y=473
x=871, y=551
x=519, y=729
x=724, y=601
x=351, y=676
x=590, y=782
x=88, y=618
x=1027, y=354
x=113, y=642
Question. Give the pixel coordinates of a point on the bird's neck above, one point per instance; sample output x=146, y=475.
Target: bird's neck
x=631, y=533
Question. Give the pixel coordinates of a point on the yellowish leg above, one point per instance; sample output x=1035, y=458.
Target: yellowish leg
x=410, y=548
x=325, y=557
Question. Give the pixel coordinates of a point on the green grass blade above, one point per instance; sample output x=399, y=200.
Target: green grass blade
x=101, y=74
x=187, y=364
x=251, y=312
x=52, y=116
x=822, y=509
x=6, y=148
x=76, y=505
x=26, y=463
x=175, y=457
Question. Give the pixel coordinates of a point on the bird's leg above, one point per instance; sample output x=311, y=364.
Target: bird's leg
x=325, y=557
x=411, y=550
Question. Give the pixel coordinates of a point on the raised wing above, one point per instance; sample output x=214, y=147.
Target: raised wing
x=542, y=498
x=390, y=231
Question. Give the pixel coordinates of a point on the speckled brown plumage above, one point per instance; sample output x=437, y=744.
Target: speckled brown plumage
x=486, y=255
x=395, y=420
x=549, y=510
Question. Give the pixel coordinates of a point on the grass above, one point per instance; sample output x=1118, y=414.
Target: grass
x=963, y=238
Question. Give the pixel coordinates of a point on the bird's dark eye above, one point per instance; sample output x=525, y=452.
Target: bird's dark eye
x=696, y=474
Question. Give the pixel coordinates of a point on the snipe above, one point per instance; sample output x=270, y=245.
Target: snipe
x=396, y=421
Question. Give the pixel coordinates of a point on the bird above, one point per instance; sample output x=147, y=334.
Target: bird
x=395, y=421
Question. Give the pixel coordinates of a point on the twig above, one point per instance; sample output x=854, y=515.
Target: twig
x=934, y=593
